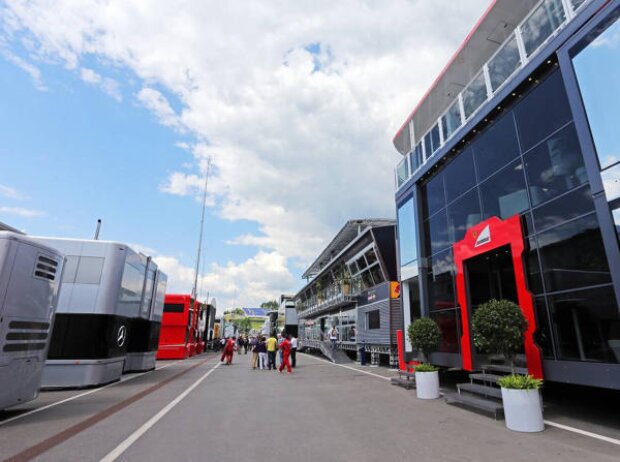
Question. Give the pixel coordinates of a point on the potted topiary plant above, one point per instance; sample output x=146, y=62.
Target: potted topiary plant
x=498, y=327
x=425, y=335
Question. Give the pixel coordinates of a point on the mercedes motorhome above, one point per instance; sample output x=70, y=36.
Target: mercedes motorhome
x=30, y=276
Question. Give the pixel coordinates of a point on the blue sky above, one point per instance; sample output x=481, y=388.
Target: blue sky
x=110, y=109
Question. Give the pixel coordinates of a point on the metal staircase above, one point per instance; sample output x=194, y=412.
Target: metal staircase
x=334, y=355
x=482, y=391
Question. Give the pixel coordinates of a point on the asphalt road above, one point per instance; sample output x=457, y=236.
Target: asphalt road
x=321, y=412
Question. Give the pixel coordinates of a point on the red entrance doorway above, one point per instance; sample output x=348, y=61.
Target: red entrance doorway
x=501, y=243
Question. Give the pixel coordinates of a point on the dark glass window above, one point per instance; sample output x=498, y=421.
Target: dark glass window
x=448, y=321
x=414, y=298
x=459, y=175
x=528, y=223
x=407, y=233
x=496, y=147
x=539, y=26
x=504, y=194
x=441, y=282
x=474, y=95
x=542, y=336
x=555, y=166
x=451, y=120
x=435, y=137
x=377, y=275
x=437, y=236
x=615, y=213
x=174, y=307
x=428, y=145
x=573, y=255
x=374, y=319
x=587, y=325
x=532, y=267
x=434, y=195
x=541, y=112
x=504, y=63
x=463, y=214
x=571, y=205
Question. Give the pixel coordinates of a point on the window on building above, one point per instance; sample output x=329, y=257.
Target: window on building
x=532, y=267
x=402, y=171
x=463, y=214
x=587, y=325
x=571, y=205
x=435, y=140
x=428, y=145
x=459, y=175
x=89, y=270
x=437, y=233
x=541, y=24
x=451, y=120
x=543, y=336
x=474, y=95
x=174, y=307
x=373, y=319
x=576, y=3
x=417, y=158
x=504, y=194
x=496, y=146
x=555, y=166
x=573, y=255
x=598, y=74
x=433, y=195
x=70, y=269
x=448, y=321
x=542, y=111
x=611, y=182
x=131, y=284
x=407, y=233
x=440, y=282
x=615, y=213
x=415, y=309
x=504, y=63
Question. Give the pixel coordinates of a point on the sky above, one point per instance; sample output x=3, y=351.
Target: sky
x=110, y=110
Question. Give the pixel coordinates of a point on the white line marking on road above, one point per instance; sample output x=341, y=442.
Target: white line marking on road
x=349, y=367
x=121, y=448
x=86, y=393
x=583, y=432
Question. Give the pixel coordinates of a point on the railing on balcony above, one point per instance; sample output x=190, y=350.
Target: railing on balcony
x=331, y=296
x=545, y=20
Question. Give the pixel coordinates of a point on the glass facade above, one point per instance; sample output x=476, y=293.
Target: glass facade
x=528, y=162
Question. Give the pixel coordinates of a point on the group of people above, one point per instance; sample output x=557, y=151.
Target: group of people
x=264, y=351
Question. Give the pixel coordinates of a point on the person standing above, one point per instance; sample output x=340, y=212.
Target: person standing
x=262, y=353
x=285, y=348
x=280, y=340
x=229, y=349
x=333, y=336
x=272, y=345
x=293, y=351
x=253, y=348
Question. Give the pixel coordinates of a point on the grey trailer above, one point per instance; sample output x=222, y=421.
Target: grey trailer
x=30, y=277
x=144, y=330
x=103, y=284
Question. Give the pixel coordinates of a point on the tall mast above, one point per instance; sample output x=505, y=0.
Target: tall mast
x=202, y=222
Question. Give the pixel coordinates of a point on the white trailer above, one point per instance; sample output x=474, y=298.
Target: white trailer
x=103, y=287
x=30, y=277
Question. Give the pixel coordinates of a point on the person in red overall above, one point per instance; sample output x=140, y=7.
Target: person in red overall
x=229, y=348
x=285, y=346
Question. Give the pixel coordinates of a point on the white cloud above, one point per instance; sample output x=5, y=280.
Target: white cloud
x=33, y=71
x=10, y=192
x=109, y=86
x=21, y=211
x=295, y=102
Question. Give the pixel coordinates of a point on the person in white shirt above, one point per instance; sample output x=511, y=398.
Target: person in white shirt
x=293, y=351
x=333, y=336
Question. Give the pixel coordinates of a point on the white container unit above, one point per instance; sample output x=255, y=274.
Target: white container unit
x=103, y=285
x=144, y=329
x=30, y=275
x=427, y=385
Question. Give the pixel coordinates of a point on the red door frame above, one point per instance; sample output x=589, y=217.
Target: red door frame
x=476, y=242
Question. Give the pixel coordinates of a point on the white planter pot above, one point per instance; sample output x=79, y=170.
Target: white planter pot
x=427, y=385
x=523, y=410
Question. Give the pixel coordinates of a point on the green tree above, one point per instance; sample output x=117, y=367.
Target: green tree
x=425, y=335
x=243, y=325
x=270, y=305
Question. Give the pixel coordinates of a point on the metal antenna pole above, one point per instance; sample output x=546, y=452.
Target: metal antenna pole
x=202, y=222
x=98, y=229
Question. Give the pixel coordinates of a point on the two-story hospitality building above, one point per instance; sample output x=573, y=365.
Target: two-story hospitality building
x=509, y=188
x=351, y=286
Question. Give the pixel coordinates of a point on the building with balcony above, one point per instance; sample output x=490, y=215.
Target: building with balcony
x=351, y=287
x=509, y=188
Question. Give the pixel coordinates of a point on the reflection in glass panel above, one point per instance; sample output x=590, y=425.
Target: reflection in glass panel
x=441, y=282
x=543, y=22
x=504, y=63
x=435, y=137
x=402, y=171
x=577, y=3
x=463, y=214
x=377, y=274
x=542, y=111
x=417, y=159
x=437, y=233
x=542, y=336
x=414, y=298
x=573, y=255
x=504, y=194
x=615, y=212
x=407, y=233
x=555, y=166
x=571, y=205
x=371, y=257
x=448, y=321
x=428, y=145
x=611, y=182
x=459, y=175
x=532, y=266
x=496, y=147
x=433, y=195
x=90, y=269
x=598, y=74
x=451, y=120
x=474, y=95
x=587, y=325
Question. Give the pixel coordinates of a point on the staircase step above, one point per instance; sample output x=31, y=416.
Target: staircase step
x=408, y=384
x=487, y=405
x=488, y=378
x=478, y=389
x=503, y=368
